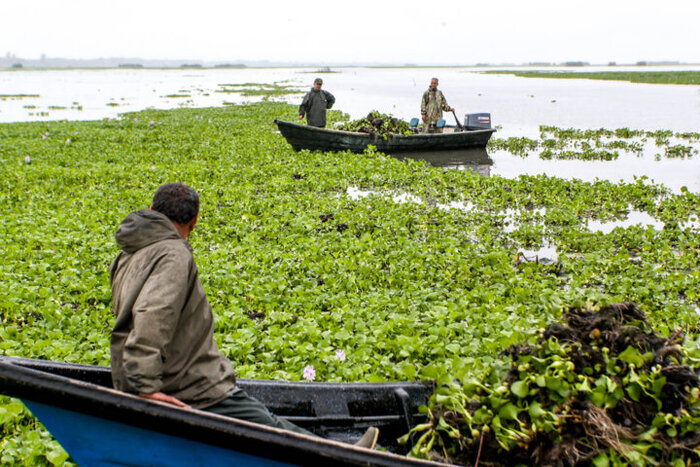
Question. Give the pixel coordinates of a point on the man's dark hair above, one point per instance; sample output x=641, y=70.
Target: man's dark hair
x=177, y=201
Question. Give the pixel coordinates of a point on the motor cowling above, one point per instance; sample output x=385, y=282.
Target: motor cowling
x=477, y=121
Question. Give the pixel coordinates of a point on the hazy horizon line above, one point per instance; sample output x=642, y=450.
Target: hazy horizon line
x=10, y=61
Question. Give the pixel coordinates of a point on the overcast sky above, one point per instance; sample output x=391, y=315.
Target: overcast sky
x=423, y=33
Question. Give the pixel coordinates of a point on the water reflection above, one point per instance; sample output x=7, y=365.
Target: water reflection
x=476, y=159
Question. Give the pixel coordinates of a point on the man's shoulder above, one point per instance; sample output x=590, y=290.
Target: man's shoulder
x=177, y=249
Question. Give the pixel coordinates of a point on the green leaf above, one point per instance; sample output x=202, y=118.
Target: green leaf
x=536, y=411
x=634, y=390
x=631, y=355
x=520, y=388
x=509, y=412
x=601, y=460
x=57, y=456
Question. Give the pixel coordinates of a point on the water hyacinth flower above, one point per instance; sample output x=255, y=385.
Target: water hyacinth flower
x=45, y=135
x=153, y=167
x=340, y=355
x=152, y=123
x=309, y=373
x=136, y=119
x=28, y=160
x=67, y=140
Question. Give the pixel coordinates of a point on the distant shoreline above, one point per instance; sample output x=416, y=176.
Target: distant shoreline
x=641, y=76
x=491, y=68
x=11, y=62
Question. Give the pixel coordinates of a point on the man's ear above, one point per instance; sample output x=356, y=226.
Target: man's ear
x=193, y=222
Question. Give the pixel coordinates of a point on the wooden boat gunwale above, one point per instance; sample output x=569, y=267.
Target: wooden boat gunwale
x=29, y=380
x=329, y=139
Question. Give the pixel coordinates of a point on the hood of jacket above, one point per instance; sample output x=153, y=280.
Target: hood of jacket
x=142, y=228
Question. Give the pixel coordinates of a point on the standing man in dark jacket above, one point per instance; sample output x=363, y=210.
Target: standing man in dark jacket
x=163, y=345
x=315, y=104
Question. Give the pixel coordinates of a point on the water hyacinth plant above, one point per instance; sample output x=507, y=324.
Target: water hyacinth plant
x=294, y=265
x=600, y=144
x=601, y=389
x=377, y=123
x=309, y=373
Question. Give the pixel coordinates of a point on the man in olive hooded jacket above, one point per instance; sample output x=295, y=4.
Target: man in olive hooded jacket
x=163, y=345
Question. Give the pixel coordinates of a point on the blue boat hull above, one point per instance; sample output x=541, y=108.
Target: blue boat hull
x=93, y=441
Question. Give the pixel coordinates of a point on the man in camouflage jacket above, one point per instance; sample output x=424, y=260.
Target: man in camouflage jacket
x=431, y=107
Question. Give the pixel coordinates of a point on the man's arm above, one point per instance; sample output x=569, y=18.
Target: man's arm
x=445, y=106
x=159, y=396
x=330, y=99
x=304, y=107
x=155, y=315
x=424, y=104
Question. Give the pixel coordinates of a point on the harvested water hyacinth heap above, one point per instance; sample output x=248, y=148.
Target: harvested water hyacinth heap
x=377, y=123
x=603, y=388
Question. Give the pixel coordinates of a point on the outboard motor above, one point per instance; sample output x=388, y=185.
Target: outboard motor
x=480, y=121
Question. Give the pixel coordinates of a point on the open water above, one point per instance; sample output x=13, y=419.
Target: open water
x=518, y=106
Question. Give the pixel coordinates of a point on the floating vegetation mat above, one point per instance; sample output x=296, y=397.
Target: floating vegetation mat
x=603, y=388
x=17, y=96
x=267, y=91
x=601, y=144
x=297, y=268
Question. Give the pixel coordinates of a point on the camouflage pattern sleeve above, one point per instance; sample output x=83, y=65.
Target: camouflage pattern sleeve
x=424, y=103
x=445, y=106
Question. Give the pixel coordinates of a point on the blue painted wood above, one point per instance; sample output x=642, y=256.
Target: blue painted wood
x=93, y=441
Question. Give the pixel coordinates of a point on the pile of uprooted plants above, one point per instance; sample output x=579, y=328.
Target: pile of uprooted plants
x=602, y=389
x=378, y=124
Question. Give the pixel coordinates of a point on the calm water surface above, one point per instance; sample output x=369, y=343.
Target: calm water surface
x=518, y=106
